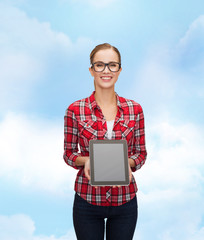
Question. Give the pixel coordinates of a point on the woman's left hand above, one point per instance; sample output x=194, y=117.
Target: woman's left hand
x=130, y=174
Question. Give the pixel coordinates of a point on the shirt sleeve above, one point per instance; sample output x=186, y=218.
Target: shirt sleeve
x=139, y=149
x=71, y=138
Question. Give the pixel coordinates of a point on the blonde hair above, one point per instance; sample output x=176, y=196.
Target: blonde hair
x=102, y=47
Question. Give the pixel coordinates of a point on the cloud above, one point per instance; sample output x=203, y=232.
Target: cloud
x=22, y=227
x=191, y=46
x=171, y=76
x=102, y=3
x=97, y=4
x=195, y=32
x=171, y=182
x=176, y=156
x=170, y=83
x=199, y=235
x=29, y=51
x=12, y=226
x=32, y=154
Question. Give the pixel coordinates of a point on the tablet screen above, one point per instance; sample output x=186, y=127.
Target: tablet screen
x=109, y=162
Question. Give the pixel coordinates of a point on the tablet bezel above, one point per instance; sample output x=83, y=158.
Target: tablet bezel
x=93, y=182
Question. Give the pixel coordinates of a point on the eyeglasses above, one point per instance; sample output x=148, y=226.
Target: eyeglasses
x=100, y=66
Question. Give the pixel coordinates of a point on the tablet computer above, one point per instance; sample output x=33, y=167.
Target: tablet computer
x=108, y=162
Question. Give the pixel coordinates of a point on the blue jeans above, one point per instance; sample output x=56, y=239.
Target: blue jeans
x=90, y=224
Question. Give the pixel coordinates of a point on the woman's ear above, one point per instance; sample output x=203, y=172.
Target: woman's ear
x=91, y=71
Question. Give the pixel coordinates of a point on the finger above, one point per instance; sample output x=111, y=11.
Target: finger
x=89, y=177
x=130, y=174
x=86, y=173
x=130, y=177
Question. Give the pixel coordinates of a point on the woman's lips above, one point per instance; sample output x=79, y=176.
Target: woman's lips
x=106, y=78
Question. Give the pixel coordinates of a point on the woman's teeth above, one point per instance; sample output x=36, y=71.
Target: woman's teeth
x=106, y=78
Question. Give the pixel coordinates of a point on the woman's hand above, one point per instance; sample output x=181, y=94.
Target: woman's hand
x=87, y=168
x=130, y=174
x=87, y=171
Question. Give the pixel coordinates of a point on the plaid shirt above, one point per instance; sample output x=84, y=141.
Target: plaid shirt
x=84, y=121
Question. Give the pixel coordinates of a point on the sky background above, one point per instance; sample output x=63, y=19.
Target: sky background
x=44, y=61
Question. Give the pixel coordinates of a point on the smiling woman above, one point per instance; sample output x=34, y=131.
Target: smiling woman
x=100, y=69
x=89, y=119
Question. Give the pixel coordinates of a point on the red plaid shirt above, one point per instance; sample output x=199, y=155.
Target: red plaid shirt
x=84, y=121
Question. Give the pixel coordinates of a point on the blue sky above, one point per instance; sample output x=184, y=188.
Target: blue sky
x=44, y=60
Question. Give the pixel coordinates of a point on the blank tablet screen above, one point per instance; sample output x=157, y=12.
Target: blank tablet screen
x=109, y=162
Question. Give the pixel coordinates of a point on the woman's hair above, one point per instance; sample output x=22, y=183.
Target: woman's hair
x=102, y=47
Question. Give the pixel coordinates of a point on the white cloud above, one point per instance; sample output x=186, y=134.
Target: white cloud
x=22, y=227
x=175, y=158
x=190, y=49
x=171, y=182
x=102, y=3
x=32, y=148
x=32, y=154
x=94, y=3
x=176, y=147
x=172, y=76
x=198, y=235
x=195, y=32
x=12, y=226
x=27, y=47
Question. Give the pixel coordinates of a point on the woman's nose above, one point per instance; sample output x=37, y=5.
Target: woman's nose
x=106, y=69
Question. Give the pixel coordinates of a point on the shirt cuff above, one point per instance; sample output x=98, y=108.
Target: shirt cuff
x=71, y=161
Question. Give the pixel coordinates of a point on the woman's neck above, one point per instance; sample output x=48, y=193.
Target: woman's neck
x=105, y=97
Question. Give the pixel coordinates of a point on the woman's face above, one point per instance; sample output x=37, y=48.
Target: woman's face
x=105, y=79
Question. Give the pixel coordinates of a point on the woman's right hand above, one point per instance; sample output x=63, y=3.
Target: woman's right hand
x=87, y=168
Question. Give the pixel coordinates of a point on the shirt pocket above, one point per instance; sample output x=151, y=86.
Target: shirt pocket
x=88, y=129
x=127, y=130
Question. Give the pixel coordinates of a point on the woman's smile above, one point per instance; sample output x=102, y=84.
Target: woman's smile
x=106, y=78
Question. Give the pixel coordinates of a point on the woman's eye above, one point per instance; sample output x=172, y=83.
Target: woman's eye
x=99, y=65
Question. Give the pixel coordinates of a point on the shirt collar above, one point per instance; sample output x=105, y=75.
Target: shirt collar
x=93, y=103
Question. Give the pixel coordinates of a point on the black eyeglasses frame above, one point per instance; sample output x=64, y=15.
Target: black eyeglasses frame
x=106, y=64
